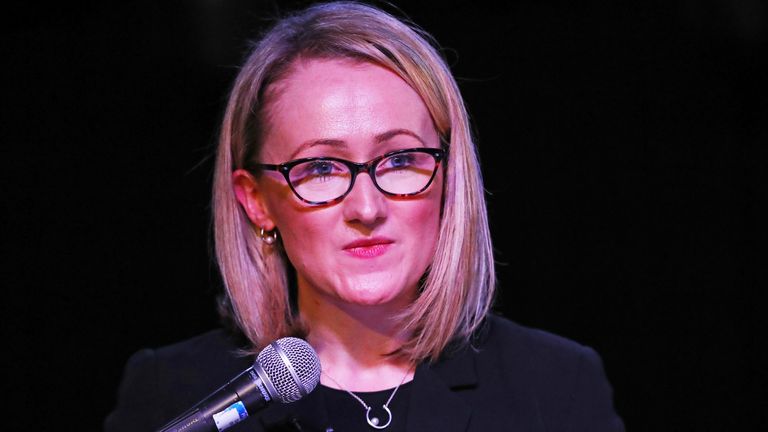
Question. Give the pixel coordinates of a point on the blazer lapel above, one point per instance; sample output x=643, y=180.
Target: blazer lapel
x=435, y=404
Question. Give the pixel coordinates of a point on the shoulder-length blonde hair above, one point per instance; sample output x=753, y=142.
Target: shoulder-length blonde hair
x=457, y=290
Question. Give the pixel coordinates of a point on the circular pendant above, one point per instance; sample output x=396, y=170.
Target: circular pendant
x=374, y=422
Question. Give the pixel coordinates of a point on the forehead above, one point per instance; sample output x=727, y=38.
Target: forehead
x=343, y=101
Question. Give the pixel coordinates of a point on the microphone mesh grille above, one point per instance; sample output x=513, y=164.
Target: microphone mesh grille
x=304, y=361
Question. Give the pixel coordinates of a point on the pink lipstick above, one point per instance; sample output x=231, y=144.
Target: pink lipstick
x=368, y=248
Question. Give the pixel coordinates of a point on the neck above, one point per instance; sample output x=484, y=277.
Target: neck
x=354, y=343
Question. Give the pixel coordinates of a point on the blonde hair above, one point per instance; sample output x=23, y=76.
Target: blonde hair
x=457, y=290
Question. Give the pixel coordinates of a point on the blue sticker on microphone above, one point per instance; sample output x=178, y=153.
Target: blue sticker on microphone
x=234, y=413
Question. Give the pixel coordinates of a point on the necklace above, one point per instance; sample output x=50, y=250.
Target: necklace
x=373, y=421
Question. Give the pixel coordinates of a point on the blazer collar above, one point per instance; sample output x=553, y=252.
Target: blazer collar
x=435, y=403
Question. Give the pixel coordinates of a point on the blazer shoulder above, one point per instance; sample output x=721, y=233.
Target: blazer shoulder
x=200, y=364
x=159, y=383
x=566, y=378
x=511, y=336
x=213, y=344
x=538, y=360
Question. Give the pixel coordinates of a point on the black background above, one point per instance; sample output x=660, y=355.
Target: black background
x=623, y=148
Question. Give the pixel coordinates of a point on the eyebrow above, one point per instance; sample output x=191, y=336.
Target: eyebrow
x=380, y=138
x=317, y=142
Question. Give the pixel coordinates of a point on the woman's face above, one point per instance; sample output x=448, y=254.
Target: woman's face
x=368, y=249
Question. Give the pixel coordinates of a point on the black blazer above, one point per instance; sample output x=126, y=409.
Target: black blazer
x=512, y=378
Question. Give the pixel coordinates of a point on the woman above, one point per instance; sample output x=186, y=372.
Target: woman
x=349, y=211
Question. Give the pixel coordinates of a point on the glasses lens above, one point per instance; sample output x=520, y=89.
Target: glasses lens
x=405, y=173
x=320, y=180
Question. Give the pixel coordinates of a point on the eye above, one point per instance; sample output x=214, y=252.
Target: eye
x=320, y=168
x=402, y=160
x=317, y=171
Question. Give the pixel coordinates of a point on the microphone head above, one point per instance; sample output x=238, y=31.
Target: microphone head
x=292, y=367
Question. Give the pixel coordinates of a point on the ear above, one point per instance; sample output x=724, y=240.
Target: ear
x=251, y=198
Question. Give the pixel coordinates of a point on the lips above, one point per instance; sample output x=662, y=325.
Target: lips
x=368, y=248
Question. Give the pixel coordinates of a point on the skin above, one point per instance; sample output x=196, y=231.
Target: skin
x=349, y=296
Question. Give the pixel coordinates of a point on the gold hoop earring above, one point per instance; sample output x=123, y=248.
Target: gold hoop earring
x=268, y=237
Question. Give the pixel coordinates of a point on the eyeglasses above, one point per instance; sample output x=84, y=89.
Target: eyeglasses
x=326, y=180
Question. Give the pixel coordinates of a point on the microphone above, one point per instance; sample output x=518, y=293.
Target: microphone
x=285, y=370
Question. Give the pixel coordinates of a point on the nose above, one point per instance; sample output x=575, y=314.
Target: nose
x=365, y=204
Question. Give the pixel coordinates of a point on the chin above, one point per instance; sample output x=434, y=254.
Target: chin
x=375, y=293
x=367, y=298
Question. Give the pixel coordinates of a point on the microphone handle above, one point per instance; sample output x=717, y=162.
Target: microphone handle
x=230, y=404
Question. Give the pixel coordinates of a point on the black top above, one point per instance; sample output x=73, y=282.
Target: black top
x=511, y=378
x=346, y=414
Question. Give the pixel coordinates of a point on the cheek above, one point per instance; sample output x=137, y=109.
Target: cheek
x=423, y=220
x=283, y=207
x=300, y=231
x=435, y=198
x=304, y=231
x=300, y=242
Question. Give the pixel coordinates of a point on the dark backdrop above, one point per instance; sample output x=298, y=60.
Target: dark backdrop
x=623, y=147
